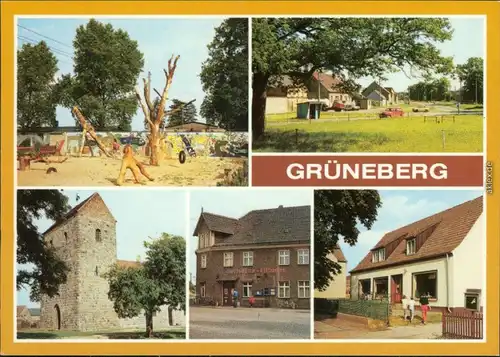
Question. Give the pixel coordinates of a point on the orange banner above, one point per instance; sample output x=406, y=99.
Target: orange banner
x=343, y=170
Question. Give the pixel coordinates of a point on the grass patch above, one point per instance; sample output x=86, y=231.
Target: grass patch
x=113, y=335
x=464, y=134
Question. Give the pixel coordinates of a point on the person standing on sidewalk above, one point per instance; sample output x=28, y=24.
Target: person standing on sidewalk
x=424, y=306
x=411, y=308
x=235, y=298
x=404, y=302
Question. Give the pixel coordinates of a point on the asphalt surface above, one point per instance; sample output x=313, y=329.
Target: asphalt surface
x=247, y=323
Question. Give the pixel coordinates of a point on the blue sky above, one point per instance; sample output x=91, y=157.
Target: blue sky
x=236, y=203
x=154, y=212
x=468, y=41
x=158, y=39
x=402, y=207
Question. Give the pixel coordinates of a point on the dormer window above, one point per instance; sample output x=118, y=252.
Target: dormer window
x=411, y=246
x=378, y=255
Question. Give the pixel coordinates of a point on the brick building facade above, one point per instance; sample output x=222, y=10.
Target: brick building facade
x=85, y=239
x=264, y=254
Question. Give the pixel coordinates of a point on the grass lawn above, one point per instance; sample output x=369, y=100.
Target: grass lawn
x=112, y=334
x=412, y=134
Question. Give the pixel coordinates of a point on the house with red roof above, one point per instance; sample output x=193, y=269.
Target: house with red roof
x=441, y=256
x=330, y=89
x=337, y=287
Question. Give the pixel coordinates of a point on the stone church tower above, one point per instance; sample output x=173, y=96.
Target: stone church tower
x=86, y=240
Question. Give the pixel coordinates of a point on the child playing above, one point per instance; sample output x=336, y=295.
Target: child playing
x=404, y=302
x=411, y=308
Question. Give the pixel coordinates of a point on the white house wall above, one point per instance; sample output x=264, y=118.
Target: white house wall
x=407, y=270
x=276, y=105
x=468, y=264
x=337, y=287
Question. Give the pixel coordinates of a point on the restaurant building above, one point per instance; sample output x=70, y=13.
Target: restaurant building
x=264, y=254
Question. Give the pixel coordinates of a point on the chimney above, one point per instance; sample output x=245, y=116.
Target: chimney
x=202, y=209
x=280, y=206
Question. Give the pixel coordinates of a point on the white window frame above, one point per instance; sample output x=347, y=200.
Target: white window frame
x=411, y=246
x=303, y=256
x=228, y=259
x=378, y=255
x=203, y=263
x=248, y=286
x=202, y=242
x=285, y=254
x=203, y=288
x=304, y=289
x=247, y=259
x=284, y=290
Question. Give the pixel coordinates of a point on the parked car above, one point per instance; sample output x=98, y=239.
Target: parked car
x=338, y=107
x=350, y=107
x=423, y=109
x=391, y=113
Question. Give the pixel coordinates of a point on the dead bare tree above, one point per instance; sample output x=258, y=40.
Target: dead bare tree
x=153, y=119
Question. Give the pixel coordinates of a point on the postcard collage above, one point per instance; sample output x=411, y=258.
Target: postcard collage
x=256, y=179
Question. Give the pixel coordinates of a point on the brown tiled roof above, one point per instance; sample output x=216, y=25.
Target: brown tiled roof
x=272, y=226
x=330, y=82
x=73, y=212
x=337, y=251
x=450, y=227
x=128, y=263
x=216, y=223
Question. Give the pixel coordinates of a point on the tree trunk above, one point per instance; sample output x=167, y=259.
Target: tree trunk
x=259, y=97
x=149, y=324
x=154, y=144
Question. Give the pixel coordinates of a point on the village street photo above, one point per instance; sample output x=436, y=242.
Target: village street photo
x=101, y=102
x=368, y=84
x=100, y=265
x=249, y=264
x=399, y=264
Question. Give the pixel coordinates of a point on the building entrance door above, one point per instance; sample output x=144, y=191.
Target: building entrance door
x=396, y=289
x=227, y=293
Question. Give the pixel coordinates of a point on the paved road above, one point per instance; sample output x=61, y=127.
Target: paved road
x=420, y=332
x=246, y=323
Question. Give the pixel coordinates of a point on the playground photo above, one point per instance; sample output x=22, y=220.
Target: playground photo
x=98, y=103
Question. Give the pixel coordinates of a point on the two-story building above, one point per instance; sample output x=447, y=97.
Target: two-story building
x=264, y=254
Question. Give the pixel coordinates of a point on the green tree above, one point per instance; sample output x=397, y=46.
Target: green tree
x=471, y=75
x=224, y=77
x=349, y=47
x=159, y=281
x=36, y=70
x=47, y=271
x=181, y=113
x=337, y=214
x=107, y=65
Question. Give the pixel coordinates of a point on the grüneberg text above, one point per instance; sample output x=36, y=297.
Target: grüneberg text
x=334, y=170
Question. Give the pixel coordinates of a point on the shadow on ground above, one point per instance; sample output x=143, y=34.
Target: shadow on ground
x=302, y=141
x=129, y=335
x=324, y=316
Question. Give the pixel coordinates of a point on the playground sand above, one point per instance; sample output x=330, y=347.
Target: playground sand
x=102, y=171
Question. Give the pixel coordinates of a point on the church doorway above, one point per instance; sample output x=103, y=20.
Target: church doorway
x=58, y=316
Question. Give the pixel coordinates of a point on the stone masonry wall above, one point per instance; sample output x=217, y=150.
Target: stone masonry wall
x=160, y=320
x=83, y=301
x=65, y=240
x=96, y=255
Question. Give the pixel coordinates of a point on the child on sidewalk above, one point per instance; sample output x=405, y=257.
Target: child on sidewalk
x=411, y=308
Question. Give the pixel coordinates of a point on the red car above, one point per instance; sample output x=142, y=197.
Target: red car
x=392, y=113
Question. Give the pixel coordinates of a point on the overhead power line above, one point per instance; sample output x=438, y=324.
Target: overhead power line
x=47, y=37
